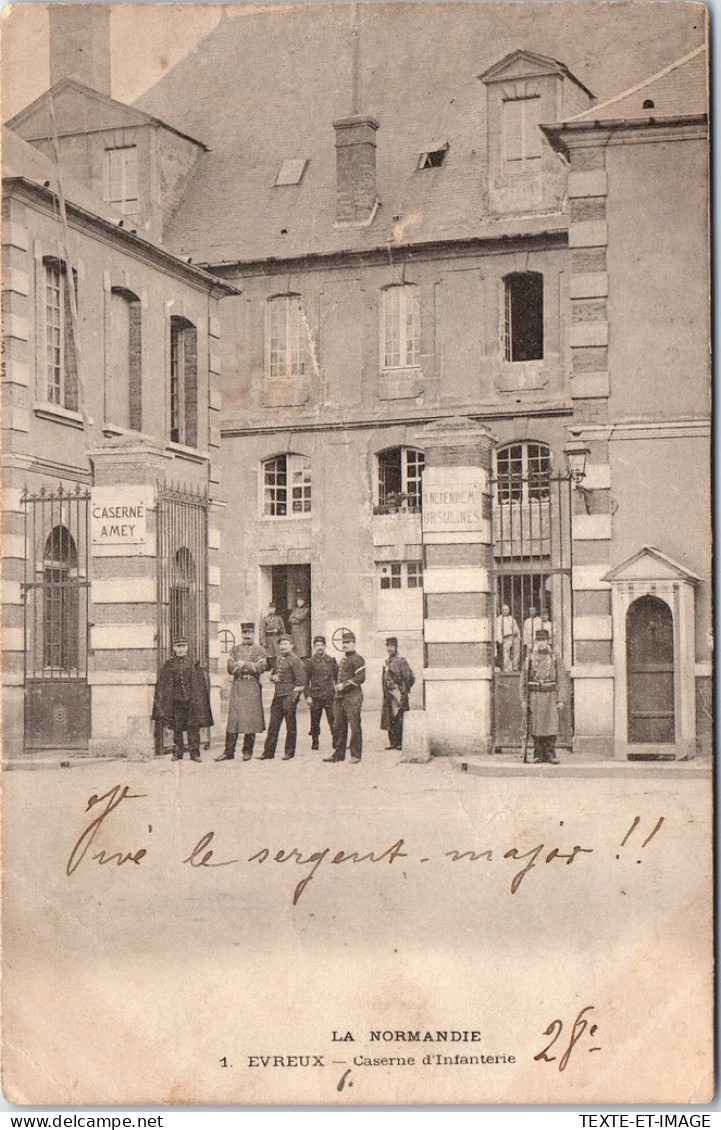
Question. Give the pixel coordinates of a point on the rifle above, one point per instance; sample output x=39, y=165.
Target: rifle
x=527, y=714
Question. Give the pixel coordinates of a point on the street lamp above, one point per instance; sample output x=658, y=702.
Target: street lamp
x=576, y=453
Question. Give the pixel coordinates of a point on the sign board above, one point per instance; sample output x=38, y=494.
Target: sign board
x=453, y=499
x=118, y=516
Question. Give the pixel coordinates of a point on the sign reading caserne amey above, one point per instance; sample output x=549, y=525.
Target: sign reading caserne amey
x=453, y=499
x=118, y=516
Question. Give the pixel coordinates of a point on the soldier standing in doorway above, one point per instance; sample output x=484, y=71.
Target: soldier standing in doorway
x=271, y=629
x=300, y=628
x=348, y=702
x=397, y=682
x=544, y=694
x=182, y=700
x=289, y=678
x=322, y=674
x=246, y=663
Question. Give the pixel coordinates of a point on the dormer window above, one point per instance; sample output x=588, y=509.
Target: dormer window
x=121, y=179
x=521, y=133
x=291, y=171
x=433, y=158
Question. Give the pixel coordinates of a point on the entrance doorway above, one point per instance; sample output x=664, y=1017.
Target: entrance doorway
x=283, y=584
x=650, y=673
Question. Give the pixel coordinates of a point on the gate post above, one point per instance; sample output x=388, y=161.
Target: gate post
x=457, y=550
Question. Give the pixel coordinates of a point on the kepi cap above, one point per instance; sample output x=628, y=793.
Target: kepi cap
x=393, y=640
x=348, y=637
x=247, y=626
x=179, y=640
x=318, y=639
x=285, y=636
x=542, y=634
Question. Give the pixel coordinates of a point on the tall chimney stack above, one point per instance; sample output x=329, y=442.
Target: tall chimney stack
x=355, y=147
x=80, y=44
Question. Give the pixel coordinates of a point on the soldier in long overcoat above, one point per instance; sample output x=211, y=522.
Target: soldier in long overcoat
x=397, y=681
x=246, y=663
x=544, y=694
x=182, y=699
x=300, y=628
x=271, y=629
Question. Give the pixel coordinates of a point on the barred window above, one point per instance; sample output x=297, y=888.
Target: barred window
x=286, y=486
x=61, y=606
x=284, y=351
x=523, y=471
x=401, y=327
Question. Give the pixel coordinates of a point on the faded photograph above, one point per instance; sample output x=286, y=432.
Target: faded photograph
x=356, y=416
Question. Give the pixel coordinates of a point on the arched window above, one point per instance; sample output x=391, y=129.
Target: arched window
x=284, y=353
x=183, y=382
x=400, y=327
x=400, y=471
x=286, y=486
x=523, y=316
x=61, y=610
x=523, y=471
x=123, y=390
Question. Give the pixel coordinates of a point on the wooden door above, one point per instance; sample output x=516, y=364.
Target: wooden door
x=650, y=676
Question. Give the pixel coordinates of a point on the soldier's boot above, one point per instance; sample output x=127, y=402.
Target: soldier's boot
x=228, y=754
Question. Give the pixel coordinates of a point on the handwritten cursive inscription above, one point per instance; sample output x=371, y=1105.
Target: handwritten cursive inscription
x=114, y=798
x=555, y=1030
x=316, y=858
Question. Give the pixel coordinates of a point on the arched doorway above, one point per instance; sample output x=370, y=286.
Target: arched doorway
x=183, y=600
x=650, y=672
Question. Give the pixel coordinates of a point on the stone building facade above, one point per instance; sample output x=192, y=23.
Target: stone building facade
x=450, y=275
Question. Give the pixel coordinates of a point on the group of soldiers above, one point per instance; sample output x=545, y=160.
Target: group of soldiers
x=182, y=701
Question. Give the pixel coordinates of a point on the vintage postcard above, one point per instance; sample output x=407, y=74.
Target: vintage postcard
x=356, y=554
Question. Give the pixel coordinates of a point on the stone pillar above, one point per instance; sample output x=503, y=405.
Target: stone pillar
x=457, y=546
x=123, y=598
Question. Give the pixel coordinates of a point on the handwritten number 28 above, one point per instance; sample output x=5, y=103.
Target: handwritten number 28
x=555, y=1028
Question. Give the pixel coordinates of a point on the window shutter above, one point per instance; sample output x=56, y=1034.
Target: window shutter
x=513, y=130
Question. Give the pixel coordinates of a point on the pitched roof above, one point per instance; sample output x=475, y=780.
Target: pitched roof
x=679, y=89
x=107, y=113
x=267, y=84
x=21, y=159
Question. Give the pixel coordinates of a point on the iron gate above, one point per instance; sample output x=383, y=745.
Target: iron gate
x=182, y=523
x=55, y=618
x=532, y=513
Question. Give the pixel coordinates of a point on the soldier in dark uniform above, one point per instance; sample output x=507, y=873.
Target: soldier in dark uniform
x=289, y=678
x=271, y=629
x=322, y=674
x=182, y=700
x=348, y=702
x=544, y=693
x=397, y=682
x=246, y=663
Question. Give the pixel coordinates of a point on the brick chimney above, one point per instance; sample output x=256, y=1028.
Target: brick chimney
x=355, y=147
x=80, y=44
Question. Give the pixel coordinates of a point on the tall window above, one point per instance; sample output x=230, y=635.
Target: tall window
x=121, y=179
x=286, y=486
x=400, y=471
x=523, y=316
x=285, y=354
x=401, y=327
x=523, y=471
x=183, y=382
x=123, y=390
x=60, y=363
x=522, y=143
x=61, y=609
